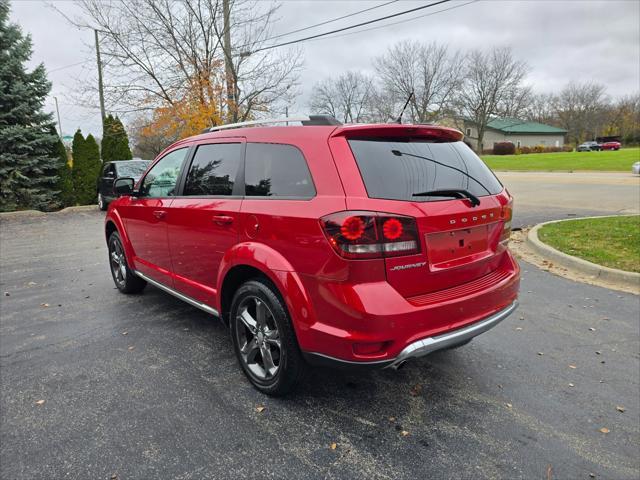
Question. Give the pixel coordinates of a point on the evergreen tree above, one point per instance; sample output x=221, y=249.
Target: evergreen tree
x=115, y=143
x=107, y=146
x=27, y=170
x=122, y=150
x=86, y=168
x=65, y=180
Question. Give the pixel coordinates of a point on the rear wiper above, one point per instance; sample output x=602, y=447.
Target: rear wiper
x=398, y=153
x=455, y=192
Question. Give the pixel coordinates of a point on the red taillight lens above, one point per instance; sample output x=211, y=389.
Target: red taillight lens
x=360, y=235
x=507, y=214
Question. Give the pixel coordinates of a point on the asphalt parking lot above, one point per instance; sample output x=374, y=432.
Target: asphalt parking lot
x=146, y=386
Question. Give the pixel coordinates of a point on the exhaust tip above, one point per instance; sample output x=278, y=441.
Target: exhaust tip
x=398, y=366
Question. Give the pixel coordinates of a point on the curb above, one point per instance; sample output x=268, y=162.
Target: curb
x=630, y=279
x=37, y=213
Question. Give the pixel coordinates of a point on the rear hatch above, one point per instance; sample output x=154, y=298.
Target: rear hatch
x=459, y=206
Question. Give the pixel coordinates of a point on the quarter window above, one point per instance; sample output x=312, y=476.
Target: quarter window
x=162, y=178
x=214, y=169
x=276, y=170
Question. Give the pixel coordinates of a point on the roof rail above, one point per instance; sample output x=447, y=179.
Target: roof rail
x=307, y=120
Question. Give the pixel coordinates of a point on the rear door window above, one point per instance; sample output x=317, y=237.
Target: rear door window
x=214, y=170
x=420, y=167
x=274, y=170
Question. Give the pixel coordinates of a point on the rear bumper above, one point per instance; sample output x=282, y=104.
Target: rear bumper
x=420, y=347
x=347, y=316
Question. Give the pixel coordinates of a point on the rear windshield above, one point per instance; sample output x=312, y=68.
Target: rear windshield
x=131, y=169
x=400, y=175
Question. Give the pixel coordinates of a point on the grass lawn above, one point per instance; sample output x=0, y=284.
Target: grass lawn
x=613, y=242
x=565, y=161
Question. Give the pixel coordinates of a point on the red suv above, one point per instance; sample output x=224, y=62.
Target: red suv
x=343, y=245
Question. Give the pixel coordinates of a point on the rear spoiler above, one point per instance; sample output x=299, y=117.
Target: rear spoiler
x=392, y=130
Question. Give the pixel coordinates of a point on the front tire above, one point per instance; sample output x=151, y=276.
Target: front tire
x=102, y=204
x=263, y=339
x=126, y=281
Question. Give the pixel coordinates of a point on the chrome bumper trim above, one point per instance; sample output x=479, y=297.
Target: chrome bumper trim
x=431, y=344
x=179, y=295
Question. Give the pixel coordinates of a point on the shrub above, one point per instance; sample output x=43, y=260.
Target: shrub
x=504, y=148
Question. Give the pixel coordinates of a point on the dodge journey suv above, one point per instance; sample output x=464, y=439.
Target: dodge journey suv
x=342, y=245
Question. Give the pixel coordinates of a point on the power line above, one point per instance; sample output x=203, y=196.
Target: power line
x=269, y=47
x=404, y=21
x=68, y=66
x=331, y=21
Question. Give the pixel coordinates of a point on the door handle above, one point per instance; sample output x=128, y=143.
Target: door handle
x=222, y=219
x=159, y=214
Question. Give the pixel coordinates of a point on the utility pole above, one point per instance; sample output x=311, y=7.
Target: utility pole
x=232, y=108
x=100, y=88
x=58, y=112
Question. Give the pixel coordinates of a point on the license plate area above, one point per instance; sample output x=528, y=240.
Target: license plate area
x=457, y=247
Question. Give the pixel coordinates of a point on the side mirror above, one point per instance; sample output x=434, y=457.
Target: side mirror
x=123, y=186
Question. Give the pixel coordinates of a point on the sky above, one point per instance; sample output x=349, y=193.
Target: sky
x=561, y=41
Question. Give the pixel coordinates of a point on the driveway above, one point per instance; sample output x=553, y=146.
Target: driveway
x=541, y=196
x=145, y=386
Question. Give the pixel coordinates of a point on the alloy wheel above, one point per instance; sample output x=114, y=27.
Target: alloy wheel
x=258, y=338
x=118, y=262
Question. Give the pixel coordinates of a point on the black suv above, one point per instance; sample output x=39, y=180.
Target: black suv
x=112, y=170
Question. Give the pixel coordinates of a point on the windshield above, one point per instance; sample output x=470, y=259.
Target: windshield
x=398, y=177
x=131, y=169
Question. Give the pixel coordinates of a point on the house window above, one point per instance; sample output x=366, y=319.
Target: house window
x=468, y=132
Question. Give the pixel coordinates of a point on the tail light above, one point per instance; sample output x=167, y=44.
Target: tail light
x=506, y=215
x=360, y=235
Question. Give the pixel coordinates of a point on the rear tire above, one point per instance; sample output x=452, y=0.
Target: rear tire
x=263, y=339
x=126, y=281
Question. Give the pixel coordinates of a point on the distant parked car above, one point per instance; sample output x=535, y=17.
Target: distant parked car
x=588, y=147
x=611, y=145
x=635, y=168
x=112, y=170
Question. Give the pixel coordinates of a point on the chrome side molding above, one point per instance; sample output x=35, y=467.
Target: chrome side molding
x=179, y=295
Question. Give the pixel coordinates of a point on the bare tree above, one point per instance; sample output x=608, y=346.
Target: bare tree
x=491, y=83
x=159, y=52
x=579, y=108
x=347, y=98
x=430, y=71
x=540, y=109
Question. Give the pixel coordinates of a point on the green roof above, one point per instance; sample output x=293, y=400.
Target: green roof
x=513, y=125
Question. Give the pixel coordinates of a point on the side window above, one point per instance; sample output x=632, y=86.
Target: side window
x=276, y=170
x=162, y=178
x=214, y=169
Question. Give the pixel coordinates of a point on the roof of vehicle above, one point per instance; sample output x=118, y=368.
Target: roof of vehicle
x=513, y=125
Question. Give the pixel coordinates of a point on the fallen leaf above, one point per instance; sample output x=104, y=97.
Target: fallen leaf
x=392, y=419
x=521, y=318
x=549, y=472
x=40, y=402
x=592, y=475
x=591, y=329
x=114, y=476
x=31, y=284
x=571, y=385
x=573, y=366
x=131, y=348
x=540, y=353
x=598, y=352
x=620, y=409
x=518, y=328
x=404, y=433
x=415, y=391
x=7, y=294
x=260, y=408
x=508, y=405
x=604, y=430
x=44, y=305
x=125, y=333
x=333, y=446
